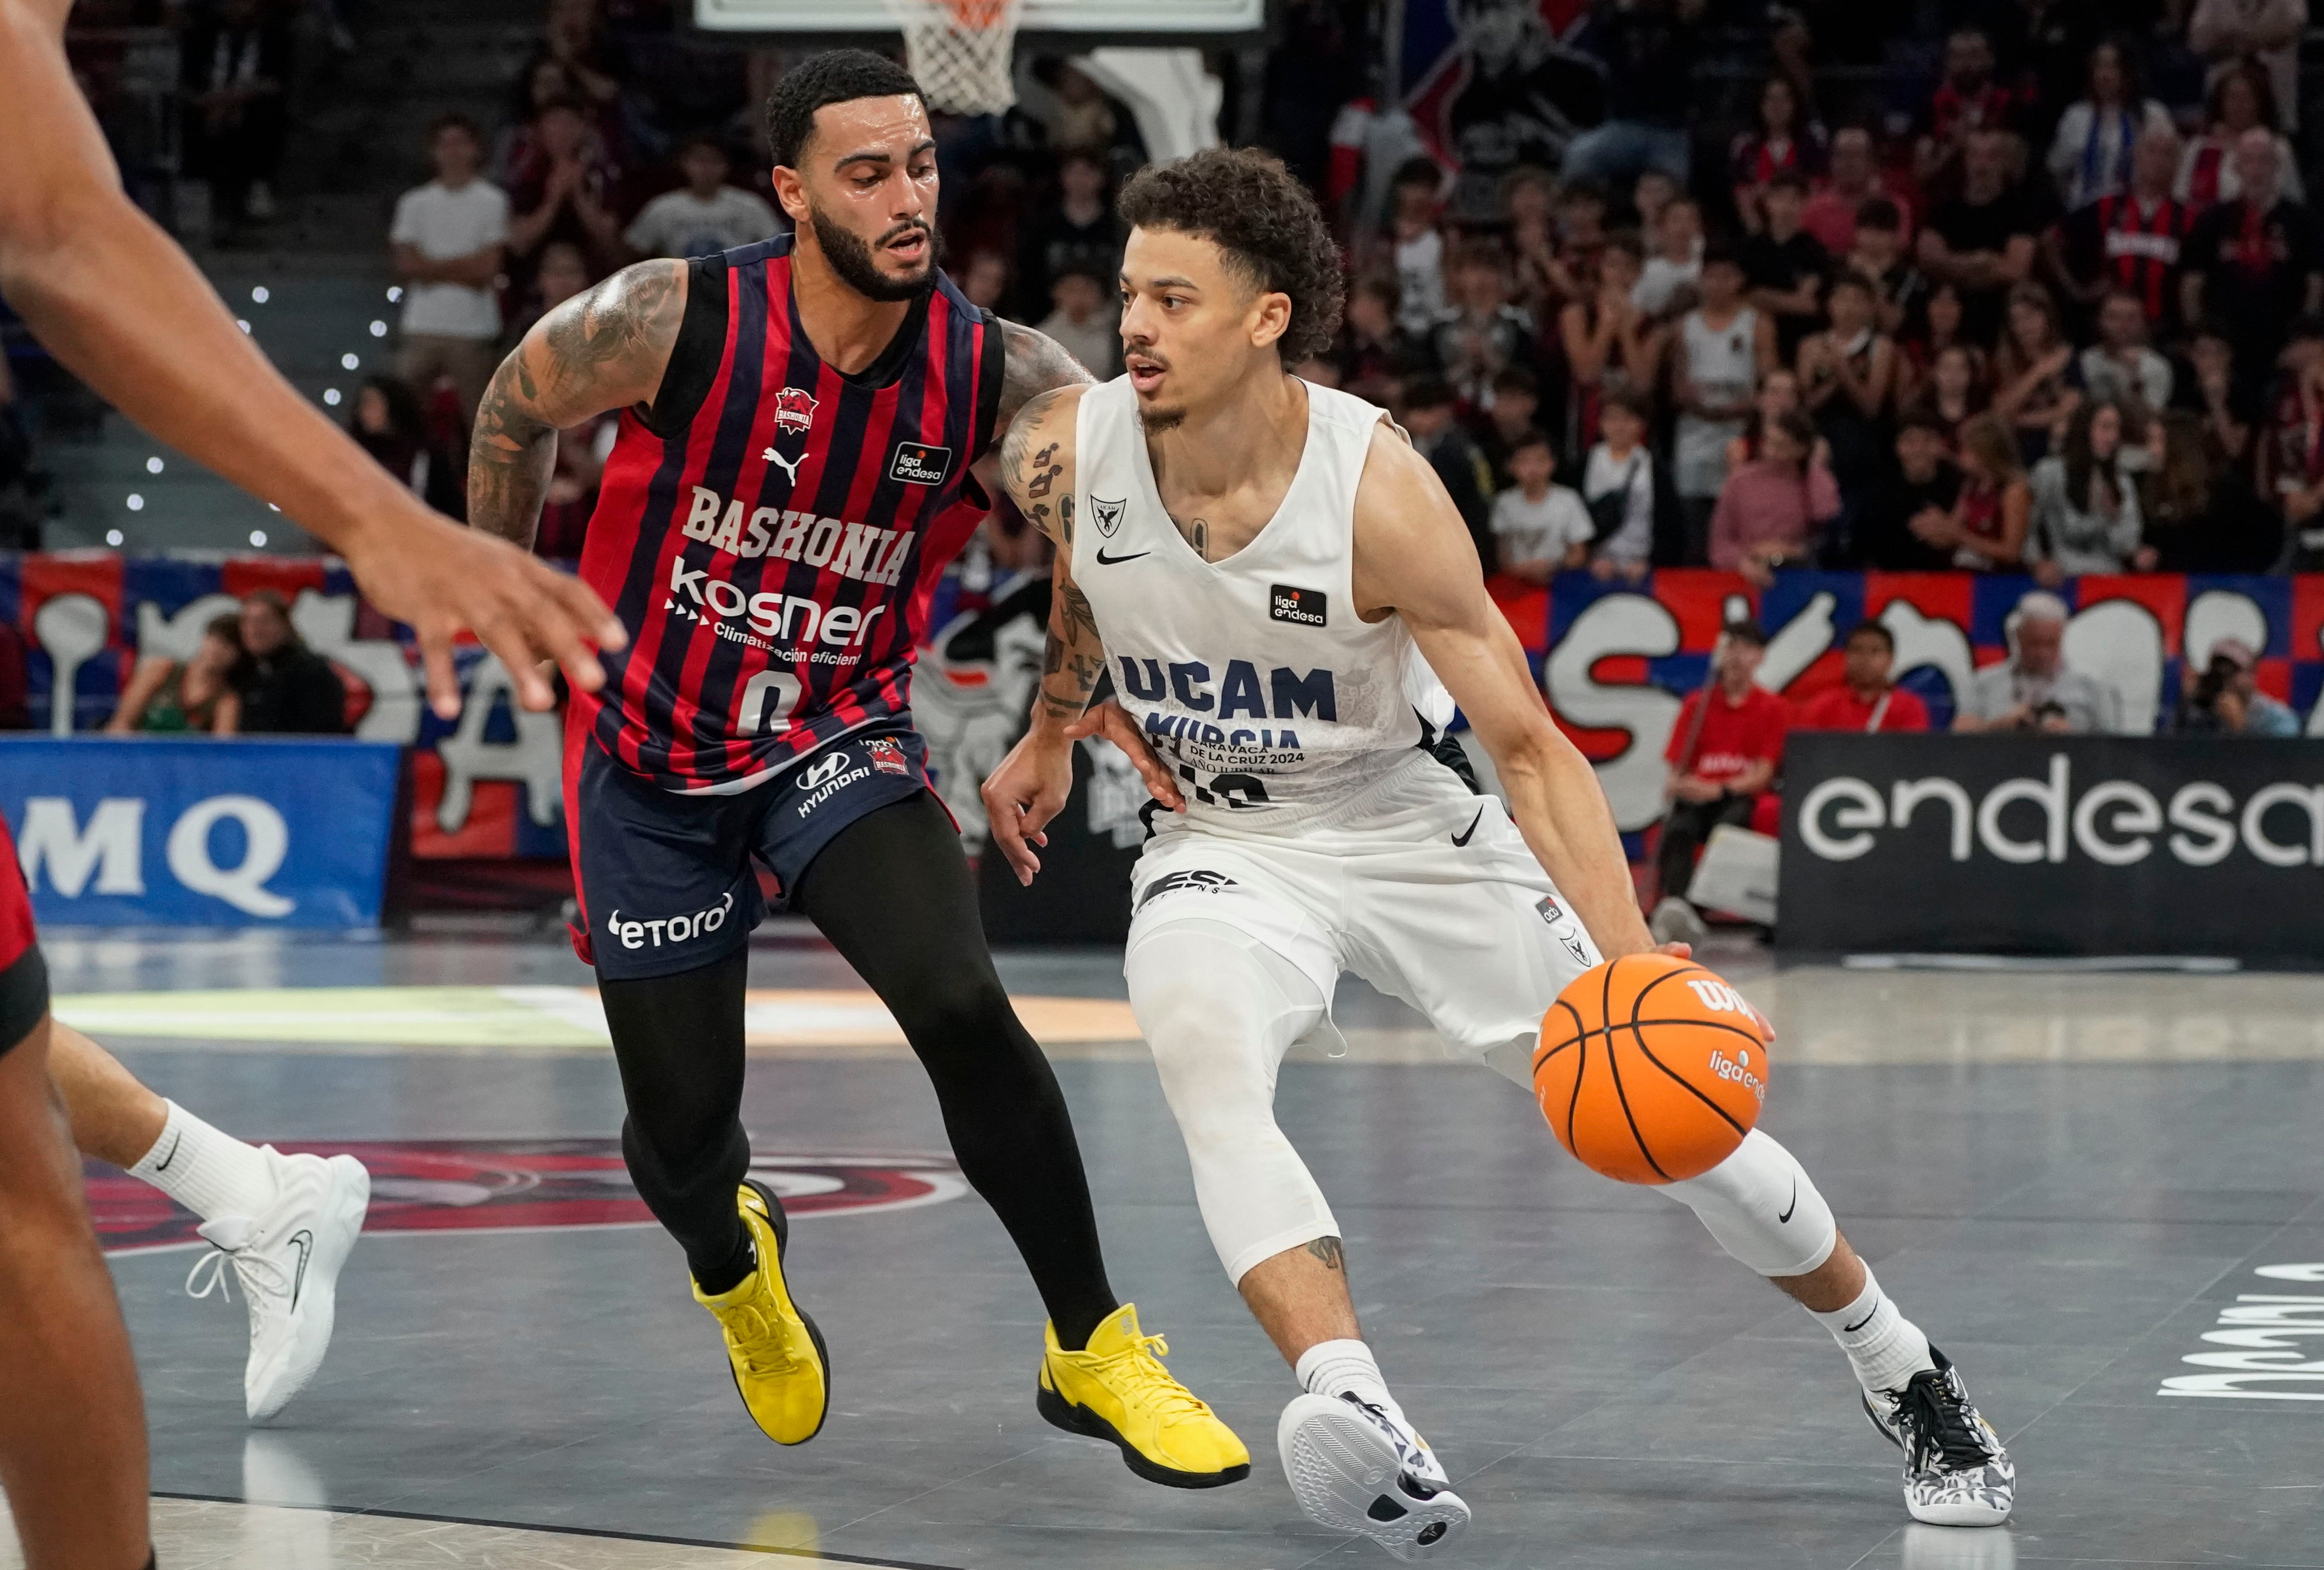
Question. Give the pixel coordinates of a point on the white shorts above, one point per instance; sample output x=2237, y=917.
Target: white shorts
x=1424, y=890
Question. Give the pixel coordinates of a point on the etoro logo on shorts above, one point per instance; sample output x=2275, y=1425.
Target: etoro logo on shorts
x=1176, y=882
x=671, y=929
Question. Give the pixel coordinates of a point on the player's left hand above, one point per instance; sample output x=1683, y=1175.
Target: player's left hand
x=1675, y=950
x=1112, y=722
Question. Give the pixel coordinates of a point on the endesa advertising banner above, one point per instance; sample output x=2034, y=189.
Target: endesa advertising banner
x=194, y=831
x=2053, y=845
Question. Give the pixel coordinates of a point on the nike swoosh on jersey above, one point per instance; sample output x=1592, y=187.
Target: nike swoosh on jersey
x=1106, y=561
x=1794, y=1205
x=1471, y=832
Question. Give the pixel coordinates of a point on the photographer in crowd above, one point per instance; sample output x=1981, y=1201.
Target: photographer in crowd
x=2034, y=689
x=2225, y=699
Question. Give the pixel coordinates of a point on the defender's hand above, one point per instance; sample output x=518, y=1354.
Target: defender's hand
x=1112, y=722
x=1021, y=796
x=441, y=578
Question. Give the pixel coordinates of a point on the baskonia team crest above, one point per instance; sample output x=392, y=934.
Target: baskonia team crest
x=462, y=1184
x=794, y=409
x=886, y=755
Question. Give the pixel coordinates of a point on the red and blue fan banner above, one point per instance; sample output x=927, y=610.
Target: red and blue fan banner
x=484, y=786
x=1618, y=658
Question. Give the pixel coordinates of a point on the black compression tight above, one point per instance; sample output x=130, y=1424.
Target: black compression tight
x=893, y=894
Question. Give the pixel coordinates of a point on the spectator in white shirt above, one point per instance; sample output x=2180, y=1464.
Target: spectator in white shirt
x=2091, y=156
x=1083, y=324
x=1671, y=274
x=707, y=216
x=449, y=237
x=2034, y=689
x=1542, y=527
x=1624, y=489
x=2121, y=367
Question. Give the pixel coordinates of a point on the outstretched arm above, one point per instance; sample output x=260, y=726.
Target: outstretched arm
x=1413, y=557
x=604, y=348
x=114, y=299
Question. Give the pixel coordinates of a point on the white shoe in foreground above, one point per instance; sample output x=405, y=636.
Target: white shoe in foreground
x=1957, y=1473
x=1355, y=1469
x=288, y=1263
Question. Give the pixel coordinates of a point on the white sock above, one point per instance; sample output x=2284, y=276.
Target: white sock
x=1334, y=1368
x=1884, y=1348
x=211, y=1173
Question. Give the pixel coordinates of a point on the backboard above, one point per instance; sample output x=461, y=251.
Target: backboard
x=1116, y=21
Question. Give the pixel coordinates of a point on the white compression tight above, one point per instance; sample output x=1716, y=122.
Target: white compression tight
x=1220, y=1009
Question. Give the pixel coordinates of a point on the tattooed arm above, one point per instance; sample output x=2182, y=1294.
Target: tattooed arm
x=604, y=348
x=1033, y=782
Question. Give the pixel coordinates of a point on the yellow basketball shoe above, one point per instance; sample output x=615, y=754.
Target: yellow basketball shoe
x=772, y=1348
x=1117, y=1390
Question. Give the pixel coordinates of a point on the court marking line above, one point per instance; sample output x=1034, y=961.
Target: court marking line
x=813, y=1556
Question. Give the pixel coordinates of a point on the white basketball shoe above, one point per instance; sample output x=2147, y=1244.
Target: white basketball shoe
x=288, y=1263
x=1957, y=1473
x=1355, y=1468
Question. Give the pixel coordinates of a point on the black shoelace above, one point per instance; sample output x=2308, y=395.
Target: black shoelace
x=1937, y=1421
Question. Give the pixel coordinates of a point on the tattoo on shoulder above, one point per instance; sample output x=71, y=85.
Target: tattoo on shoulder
x=639, y=307
x=1327, y=1249
x=1032, y=459
x=1033, y=363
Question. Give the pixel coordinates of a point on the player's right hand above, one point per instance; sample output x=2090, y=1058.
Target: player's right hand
x=441, y=579
x=1021, y=795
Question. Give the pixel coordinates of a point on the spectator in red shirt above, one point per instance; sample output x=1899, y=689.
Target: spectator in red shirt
x=1868, y=699
x=1722, y=753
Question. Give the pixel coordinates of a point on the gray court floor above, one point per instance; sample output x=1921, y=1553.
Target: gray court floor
x=2070, y=1181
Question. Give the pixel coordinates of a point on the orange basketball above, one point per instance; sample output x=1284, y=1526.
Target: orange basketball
x=1651, y=1070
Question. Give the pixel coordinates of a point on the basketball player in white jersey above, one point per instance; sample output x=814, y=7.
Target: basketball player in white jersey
x=1275, y=580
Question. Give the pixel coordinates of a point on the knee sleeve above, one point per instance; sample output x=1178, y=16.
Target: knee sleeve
x=1762, y=1208
x=1220, y=1009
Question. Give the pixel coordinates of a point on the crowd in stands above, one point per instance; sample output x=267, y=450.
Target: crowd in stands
x=2052, y=329
x=252, y=675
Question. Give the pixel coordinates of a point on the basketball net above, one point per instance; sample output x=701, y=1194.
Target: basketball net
x=960, y=51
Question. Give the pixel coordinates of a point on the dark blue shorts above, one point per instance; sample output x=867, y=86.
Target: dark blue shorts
x=667, y=883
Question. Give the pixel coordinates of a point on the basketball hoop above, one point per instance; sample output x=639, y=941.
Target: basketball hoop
x=961, y=51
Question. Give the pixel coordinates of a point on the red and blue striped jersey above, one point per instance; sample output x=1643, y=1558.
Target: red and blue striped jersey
x=770, y=531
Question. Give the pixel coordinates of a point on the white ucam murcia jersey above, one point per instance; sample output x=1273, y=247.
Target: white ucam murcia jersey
x=1253, y=677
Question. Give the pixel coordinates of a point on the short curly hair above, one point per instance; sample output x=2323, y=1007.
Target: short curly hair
x=1265, y=220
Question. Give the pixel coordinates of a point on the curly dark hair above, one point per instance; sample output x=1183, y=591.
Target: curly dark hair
x=836, y=76
x=1265, y=220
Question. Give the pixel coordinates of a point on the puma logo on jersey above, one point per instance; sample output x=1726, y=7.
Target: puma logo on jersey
x=1301, y=607
x=789, y=466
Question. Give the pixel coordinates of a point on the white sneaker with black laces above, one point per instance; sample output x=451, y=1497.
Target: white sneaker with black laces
x=1354, y=1468
x=1956, y=1472
x=287, y=1262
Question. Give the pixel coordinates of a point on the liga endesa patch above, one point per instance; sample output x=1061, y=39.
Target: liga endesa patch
x=465, y=1185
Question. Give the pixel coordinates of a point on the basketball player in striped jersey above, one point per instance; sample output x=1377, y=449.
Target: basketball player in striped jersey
x=1275, y=580
x=800, y=418
x=105, y=290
